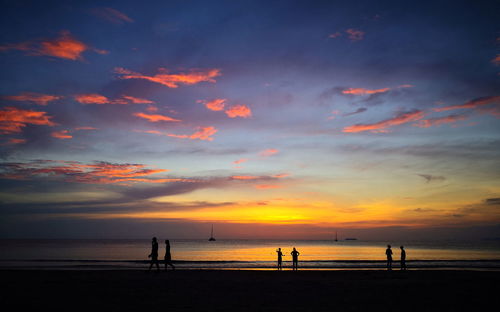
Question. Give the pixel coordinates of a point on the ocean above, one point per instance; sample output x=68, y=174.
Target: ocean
x=126, y=254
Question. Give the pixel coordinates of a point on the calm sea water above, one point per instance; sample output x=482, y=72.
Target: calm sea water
x=244, y=254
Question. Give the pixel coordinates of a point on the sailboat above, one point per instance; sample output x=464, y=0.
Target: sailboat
x=336, y=238
x=212, y=239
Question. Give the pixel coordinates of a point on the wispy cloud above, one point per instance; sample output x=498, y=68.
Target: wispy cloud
x=269, y=152
x=112, y=15
x=426, y=123
x=194, y=76
x=62, y=134
x=13, y=119
x=202, y=133
x=240, y=161
x=94, y=98
x=214, y=105
x=155, y=117
x=496, y=60
x=267, y=186
x=431, y=178
x=65, y=47
x=239, y=111
x=334, y=35
x=358, y=111
x=363, y=91
x=383, y=125
x=471, y=104
x=16, y=141
x=37, y=98
x=355, y=34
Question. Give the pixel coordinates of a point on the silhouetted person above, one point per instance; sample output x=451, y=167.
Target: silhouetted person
x=168, y=256
x=295, y=259
x=403, y=258
x=280, y=258
x=388, y=253
x=154, y=254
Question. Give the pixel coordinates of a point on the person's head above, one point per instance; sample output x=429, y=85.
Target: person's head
x=402, y=247
x=167, y=242
x=293, y=248
x=279, y=249
x=388, y=246
x=154, y=239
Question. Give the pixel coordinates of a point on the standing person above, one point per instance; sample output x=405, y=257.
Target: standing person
x=280, y=258
x=154, y=254
x=295, y=259
x=168, y=256
x=388, y=253
x=403, y=258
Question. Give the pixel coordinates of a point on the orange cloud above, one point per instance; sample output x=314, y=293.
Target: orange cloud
x=355, y=35
x=426, y=123
x=65, y=47
x=281, y=175
x=155, y=117
x=268, y=152
x=471, y=104
x=16, y=141
x=245, y=177
x=112, y=15
x=362, y=91
x=85, y=128
x=37, y=98
x=91, y=98
x=135, y=100
x=151, y=108
x=239, y=111
x=239, y=161
x=63, y=134
x=13, y=119
x=267, y=186
x=203, y=133
x=172, y=80
x=215, y=105
x=383, y=125
x=496, y=60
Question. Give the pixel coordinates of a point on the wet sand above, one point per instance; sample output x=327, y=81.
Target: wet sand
x=211, y=290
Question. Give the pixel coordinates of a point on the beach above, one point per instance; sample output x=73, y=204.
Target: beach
x=251, y=290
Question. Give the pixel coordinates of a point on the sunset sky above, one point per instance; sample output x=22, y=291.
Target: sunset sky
x=267, y=119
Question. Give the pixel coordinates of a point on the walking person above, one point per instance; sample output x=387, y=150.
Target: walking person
x=168, y=256
x=280, y=258
x=403, y=258
x=295, y=259
x=388, y=253
x=154, y=254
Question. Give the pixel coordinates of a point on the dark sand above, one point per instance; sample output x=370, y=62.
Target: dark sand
x=195, y=290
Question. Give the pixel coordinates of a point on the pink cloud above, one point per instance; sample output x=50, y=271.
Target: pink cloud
x=202, y=133
x=194, y=76
x=355, y=35
x=240, y=161
x=471, y=104
x=239, y=111
x=91, y=98
x=13, y=119
x=63, y=134
x=135, y=100
x=269, y=152
x=215, y=105
x=267, y=186
x=335, y=35
x=37, y=98
x=383, y=125
x=65, y=47
x=496, y=60
x=426, y=123
x=85, y=128
x=16, y=141
x=362, y=91
x=245, y=177
x=112, y=15
x=155, y=117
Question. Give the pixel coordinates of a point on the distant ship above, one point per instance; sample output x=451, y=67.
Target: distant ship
x=336, y=238
x=350, y=238
x=212, y=239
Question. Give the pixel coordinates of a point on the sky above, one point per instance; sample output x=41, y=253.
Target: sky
x=266, y=119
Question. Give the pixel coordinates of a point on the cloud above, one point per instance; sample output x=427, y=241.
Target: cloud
x=85, y=128
x=358, y=111
x=355, y=35
x=267, y=186
x=194, y=76
x=73, y=171
x=383, y=125
x=63, y=134
x=202, y=133
x=269, y=152
x=112, y=15
x=492, y=201
x=16, y=141
x=155, y=117
x=13, y=119
x=65, y=47
x=335, y=35
x=215, y=105
x=362, y=91
x=431, y=178
x=239, y=161
x=239, y=111
x=426, y=123
x=37, y=98
x=94, y=98
x=496, y=60
x=245, y=177
x=471, y=104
